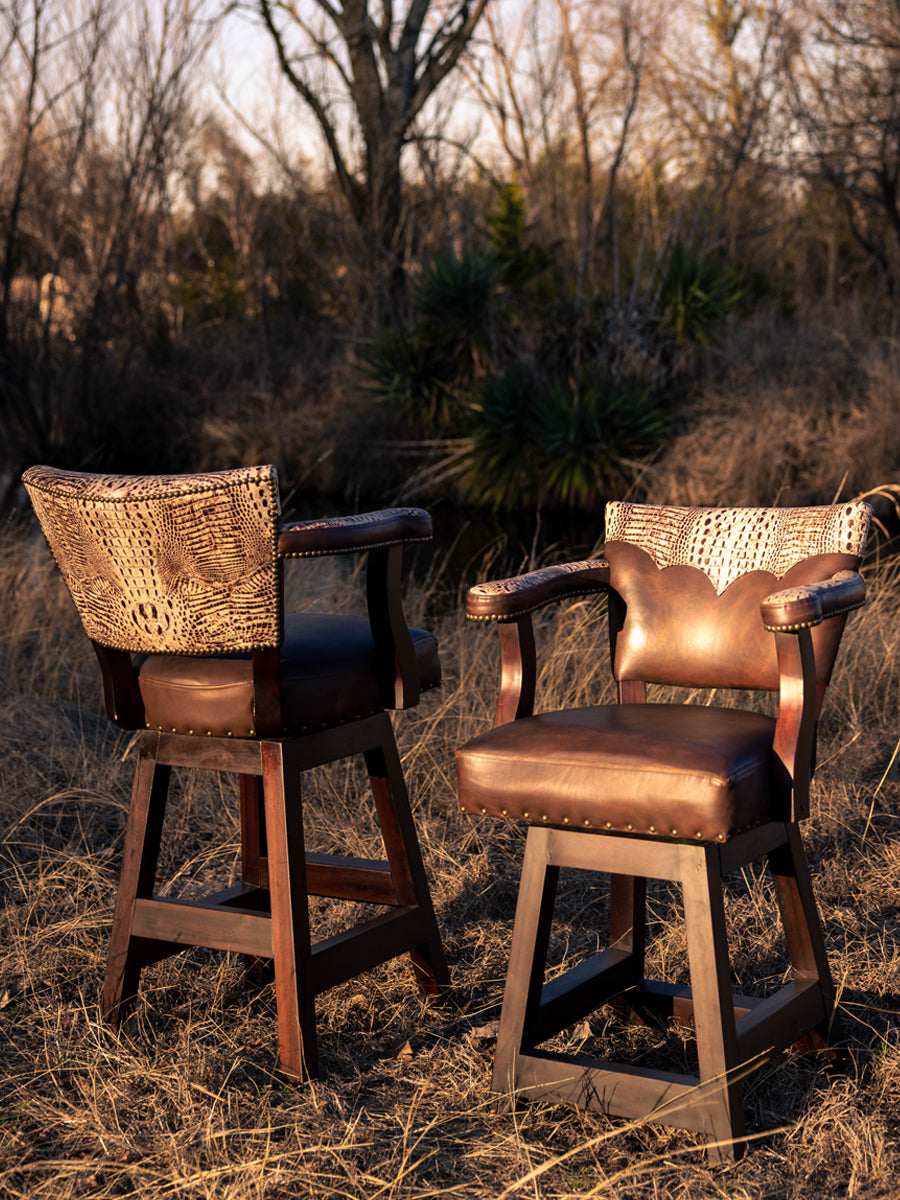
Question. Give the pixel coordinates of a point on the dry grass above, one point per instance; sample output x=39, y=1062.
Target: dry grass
x=794, y=414
x=185, y=1102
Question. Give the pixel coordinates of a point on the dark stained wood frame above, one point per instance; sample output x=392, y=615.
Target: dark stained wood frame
x=735, y=1034
x=266, y=914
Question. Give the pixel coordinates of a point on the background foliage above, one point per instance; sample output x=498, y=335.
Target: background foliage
x=574, y=219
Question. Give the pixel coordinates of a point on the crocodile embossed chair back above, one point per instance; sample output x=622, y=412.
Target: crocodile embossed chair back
x=167, y=564
x=721, y=598
x=178, y=581
x=687, y=584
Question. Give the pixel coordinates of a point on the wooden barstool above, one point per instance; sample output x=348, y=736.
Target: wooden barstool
x=178, y=583
x=723, y=598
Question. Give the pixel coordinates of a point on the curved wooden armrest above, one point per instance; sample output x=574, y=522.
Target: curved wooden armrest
x=509, y=599
x=510, y=602
x=802, y=607
x=343, y=535
x=383, y=534
x=790, y=615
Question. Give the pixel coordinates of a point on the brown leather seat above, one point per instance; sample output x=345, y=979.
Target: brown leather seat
x=178, y=583
x=328, y=677
x=667, y=769
x=723, y=598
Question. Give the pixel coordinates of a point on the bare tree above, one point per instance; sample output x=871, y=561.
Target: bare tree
x=95, y=103
x=548, y=70
x=375, y=70
x=845, y=74
x=726, y=106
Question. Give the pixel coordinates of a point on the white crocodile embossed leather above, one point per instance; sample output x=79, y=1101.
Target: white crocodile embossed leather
x=173, y=564
x=725, y=543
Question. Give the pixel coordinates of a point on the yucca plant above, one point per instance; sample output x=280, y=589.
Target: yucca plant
x=698, y=291
x=502, y=467
x=426, y=368
x=592, y=433
x=557, y=443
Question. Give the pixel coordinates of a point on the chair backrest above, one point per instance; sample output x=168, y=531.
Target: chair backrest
x=688, y=584
x=169, y=564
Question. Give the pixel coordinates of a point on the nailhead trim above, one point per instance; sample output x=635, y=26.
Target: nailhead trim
x=835, y=612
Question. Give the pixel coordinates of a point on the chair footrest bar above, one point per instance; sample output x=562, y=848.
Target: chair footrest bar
x=346, y=955
x=199, y=923
x=581, y=990
x=239, y=895
x=781, y=1019
x=675, y=1002
x=624, y=1091
x=343, y=878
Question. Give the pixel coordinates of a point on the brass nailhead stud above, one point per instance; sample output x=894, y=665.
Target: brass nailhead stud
x=699, y=835
x=544, y=817
x=629, y=828
x=721, y=837
x=484, y=810
x=503, y=812
x=653, y=829
x=588, y=824
x=525, y=815
x=565, y=820
x=609, y=824
x=674, y=833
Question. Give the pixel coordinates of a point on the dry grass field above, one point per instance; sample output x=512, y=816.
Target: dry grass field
x=185, y=1102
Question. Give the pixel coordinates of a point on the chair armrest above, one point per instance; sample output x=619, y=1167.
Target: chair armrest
x=510, y=602
x=343, y=535
x=509, y=599
x=803, y=607
x=790, y=615
x=383, y=534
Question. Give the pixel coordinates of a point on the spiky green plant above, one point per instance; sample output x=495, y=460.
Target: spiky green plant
x=590, y=435
x=426, y=368
x=557, y=443
x=698, y=291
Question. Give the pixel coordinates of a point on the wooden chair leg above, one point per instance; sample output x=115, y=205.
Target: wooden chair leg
x=128, y=954
x=404, y=856
x=710, y=967
x=291, y=950
x=803, y=927
x=254, y=867
x=254, y=863
x=527, y=960
x=627, y=932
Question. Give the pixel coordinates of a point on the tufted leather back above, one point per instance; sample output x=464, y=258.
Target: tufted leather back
x=169, y=564
x=688, y=584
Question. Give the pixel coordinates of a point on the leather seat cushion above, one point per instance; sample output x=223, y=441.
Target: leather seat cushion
x=327, y=678
x=663, y=770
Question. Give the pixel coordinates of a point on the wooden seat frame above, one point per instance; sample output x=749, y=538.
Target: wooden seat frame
x=266, y=915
